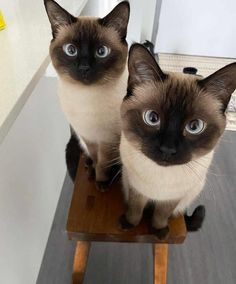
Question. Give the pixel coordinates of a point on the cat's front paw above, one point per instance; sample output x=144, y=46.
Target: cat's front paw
x=124, y=223
x=162, y=233
x=105, y=178
x=194, y=222
x=88, y=162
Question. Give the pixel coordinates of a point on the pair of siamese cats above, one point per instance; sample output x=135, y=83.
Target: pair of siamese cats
x=164, y=127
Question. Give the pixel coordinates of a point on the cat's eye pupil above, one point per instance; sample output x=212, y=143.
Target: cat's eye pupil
x=102, y=51
x=195, y=126
x=70, y=49
x=151, y=118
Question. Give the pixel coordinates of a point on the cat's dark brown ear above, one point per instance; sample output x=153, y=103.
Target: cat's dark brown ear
x=221, y=84
x=57, y=16
x=143, y=66
x=118, y=19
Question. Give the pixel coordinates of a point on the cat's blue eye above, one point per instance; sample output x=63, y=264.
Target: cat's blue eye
x=151, y=118
x=102, y=52
x=195, y=126
x=70, y=49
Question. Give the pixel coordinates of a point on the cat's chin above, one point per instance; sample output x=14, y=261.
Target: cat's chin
x=84, y=80
x=76, y=80
x=87, y=81
x=164, y=163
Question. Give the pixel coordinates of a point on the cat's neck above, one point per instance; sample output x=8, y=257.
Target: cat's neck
x=133, y=158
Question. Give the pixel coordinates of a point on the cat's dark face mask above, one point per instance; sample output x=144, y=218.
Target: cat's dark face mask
x=174, y=119
x=88, y=50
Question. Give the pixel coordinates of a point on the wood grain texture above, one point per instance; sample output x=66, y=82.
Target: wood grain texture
x=94, y=216
x=160, y=253
x=80, y=262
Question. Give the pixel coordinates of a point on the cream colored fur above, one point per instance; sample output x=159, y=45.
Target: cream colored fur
x=94, y=111
x=161, y=183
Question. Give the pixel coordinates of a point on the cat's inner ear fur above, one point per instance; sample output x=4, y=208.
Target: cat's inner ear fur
x=118, y=19
x=221, y=84
x=57, y=16
x=143, y=66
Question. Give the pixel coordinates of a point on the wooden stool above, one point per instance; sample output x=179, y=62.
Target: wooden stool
x=94, y=216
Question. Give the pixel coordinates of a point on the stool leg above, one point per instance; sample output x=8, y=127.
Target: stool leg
x=80, y=262
x=160, y=257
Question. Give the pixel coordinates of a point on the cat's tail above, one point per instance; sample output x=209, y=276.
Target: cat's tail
x=194, y=222
x=72, y=155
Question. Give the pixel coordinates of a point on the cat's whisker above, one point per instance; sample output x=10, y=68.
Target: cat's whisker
x=207, y=182
x=194, y=171
x=116, y=175
x=209, y=185
x=109, y=165
x=225, y=140
x=207, y=168
x=207, y=159
x=185, y=169
x=117, y=160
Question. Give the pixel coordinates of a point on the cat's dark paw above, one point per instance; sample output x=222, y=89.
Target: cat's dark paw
x=162, y=234
x=124, y=223
x=73, y=152
x=88, y=164
x=103, y=186
x=112, y=175
x=195, y=221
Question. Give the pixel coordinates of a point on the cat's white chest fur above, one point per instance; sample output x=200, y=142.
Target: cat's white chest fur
x=94, y=111
x=182, y=183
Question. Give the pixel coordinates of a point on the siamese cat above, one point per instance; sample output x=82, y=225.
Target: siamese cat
x=171, y=124
x=90, y=57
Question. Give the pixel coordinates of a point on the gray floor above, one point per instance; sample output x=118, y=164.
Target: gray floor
x=207, y=257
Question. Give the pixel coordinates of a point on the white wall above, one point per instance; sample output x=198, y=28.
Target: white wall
x=203, y=27
x=98, y=8
x=141, y=16
x=32, y=171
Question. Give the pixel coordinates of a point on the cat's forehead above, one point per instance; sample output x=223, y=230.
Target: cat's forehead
x=87, y=29
x=176, y=89
x=178, y=93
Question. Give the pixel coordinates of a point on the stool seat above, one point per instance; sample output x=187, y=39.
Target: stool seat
x=94, y=216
